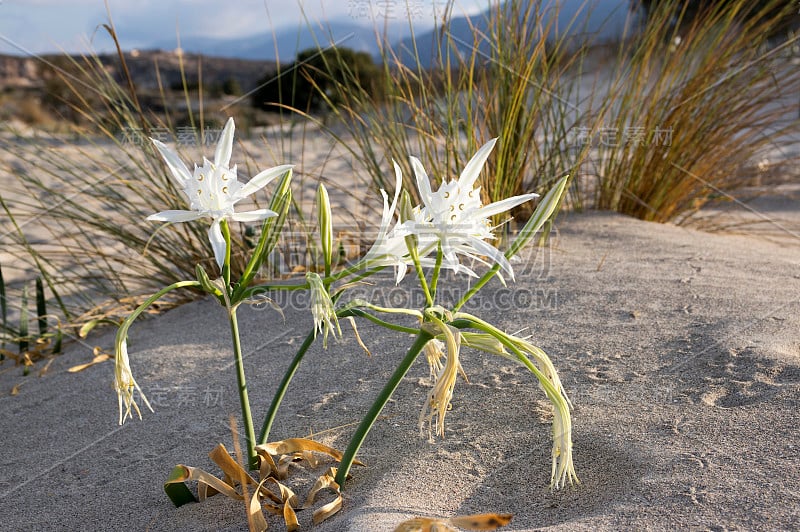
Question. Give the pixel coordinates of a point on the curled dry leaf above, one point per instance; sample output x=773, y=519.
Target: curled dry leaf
x=298, y=445
x=232, y=470
x=490, y=521
x=255, y=516
x=326, y=481
x=290, y=517
x=288, y=452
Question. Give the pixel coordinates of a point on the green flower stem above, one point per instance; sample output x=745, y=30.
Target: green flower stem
x=437, y=268
x=368, y=420
x=423, y=282
x=468, y=321
x=122, y=332
x=543, y=212
x=242, y=386
x=226, y=265
x=477, y=286
x=374, y=319
x=282, y=387
x=246, y=293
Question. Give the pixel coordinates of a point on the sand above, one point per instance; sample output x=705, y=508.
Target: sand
x=679, y=348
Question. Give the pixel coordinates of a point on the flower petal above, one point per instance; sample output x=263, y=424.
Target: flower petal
x=262, y=179
x=180, y=172
x=492, y=252
x=225, y=145
x=503, y=205
x=253, y=216
x=475, y=165
x=423, y=182
x=217, y=243
x=175, y=216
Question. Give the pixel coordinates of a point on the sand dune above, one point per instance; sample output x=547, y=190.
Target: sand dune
x=680, y=350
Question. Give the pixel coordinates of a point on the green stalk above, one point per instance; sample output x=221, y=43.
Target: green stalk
x=374, y=319
x=242, y=386
x=282, y=387
x=437, y=268
x=226, y=266
x=368, y=420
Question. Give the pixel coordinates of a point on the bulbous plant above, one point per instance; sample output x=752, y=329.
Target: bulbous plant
x=449, y=225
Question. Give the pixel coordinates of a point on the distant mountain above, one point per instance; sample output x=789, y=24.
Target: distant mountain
x=598, y=20
x=584, y=21
x=287, y=42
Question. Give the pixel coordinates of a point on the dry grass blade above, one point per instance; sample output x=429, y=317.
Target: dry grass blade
x=98, y=358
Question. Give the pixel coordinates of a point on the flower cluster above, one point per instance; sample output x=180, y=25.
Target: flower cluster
x=450, y=224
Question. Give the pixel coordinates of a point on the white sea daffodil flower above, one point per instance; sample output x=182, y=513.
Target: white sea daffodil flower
x=455, y=216
x=390, y=248
x=213, y=189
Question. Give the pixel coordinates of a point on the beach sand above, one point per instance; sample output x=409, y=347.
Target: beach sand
x=679, y=349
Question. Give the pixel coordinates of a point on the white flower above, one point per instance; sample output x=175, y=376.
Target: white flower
x=125, y=384
x=455, y=216
x=322, y=308
x=213, y=189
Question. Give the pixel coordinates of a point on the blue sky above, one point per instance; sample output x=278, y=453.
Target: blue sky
x=40, y=26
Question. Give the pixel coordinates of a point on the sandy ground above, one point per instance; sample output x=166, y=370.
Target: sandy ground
x=679, y=348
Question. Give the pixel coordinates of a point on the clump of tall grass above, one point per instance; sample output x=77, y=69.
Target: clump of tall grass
x=673, y=115
x=509, y=81
x=692, y=102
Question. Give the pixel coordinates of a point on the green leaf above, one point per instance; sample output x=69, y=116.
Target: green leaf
x=41, y=308
x=23, y=322
x=3, y=310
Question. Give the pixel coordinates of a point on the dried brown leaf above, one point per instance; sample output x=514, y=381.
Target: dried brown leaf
x=290, y=517
x=205, y=479
x=488, y=521
x=323, y=482
x=233, y=471
x=424, y=524
x=326, y=511
x=255, y=516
